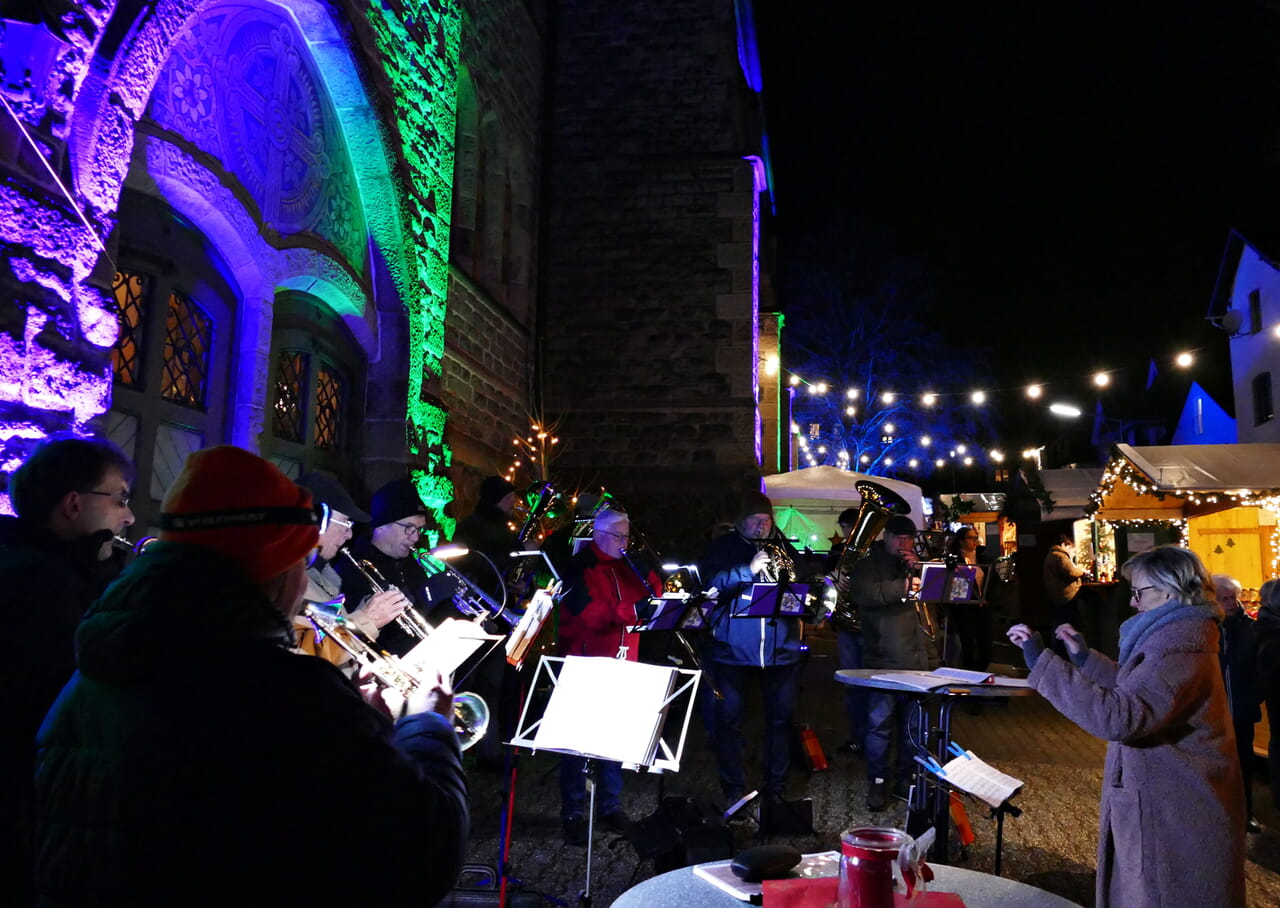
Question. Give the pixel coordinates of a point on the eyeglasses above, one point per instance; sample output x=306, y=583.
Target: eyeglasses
x=1139, y=590
x=122, y=501
x=345, y=524
x=410, y=529
x=614, y=535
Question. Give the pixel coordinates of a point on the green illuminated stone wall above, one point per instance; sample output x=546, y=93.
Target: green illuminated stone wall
x=417, y=43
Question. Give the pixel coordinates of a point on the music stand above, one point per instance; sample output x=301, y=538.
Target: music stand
x=599, y=708
x=948, y=583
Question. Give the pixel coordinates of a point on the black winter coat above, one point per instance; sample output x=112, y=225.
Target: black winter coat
x=193, y=759
x=46, y=584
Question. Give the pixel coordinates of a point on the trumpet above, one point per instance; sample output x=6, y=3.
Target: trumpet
x=470, y=712
x=409, y=621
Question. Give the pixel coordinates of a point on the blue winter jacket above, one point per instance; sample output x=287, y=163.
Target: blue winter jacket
x=758, y=642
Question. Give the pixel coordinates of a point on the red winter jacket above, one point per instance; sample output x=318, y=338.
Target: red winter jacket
x=600, y=604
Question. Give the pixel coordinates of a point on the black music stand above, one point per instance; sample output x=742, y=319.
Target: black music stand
x=947, y=584
x=599, y=708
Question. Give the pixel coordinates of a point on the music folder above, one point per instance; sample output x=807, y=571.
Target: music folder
x=760, y=600
x=674, y=612
x=951, y=585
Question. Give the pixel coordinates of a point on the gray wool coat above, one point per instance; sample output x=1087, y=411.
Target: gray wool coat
x=1173, y=823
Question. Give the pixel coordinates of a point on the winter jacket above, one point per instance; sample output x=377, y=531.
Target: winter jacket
x=1062, y=576
x=891, y=633
x=600, y=603
x=1172, y=818
x=1241, y=663
x=232, y=771
x=46, y=584
x=758, y=642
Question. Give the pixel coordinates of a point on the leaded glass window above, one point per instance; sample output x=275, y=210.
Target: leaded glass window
x=330, y=397
x=130, y=290
x=289, y=411
x=188, y=338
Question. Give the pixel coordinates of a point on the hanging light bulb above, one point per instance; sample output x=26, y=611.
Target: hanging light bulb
x=887, y=397
x=1101, y=379
x=1034, y=391
x=852, y=394
x=978, y=397
x=928, y=399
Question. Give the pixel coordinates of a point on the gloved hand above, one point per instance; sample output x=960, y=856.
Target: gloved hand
x=1030, y=642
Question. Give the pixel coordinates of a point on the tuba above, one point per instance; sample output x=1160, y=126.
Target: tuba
x=543, y=499
x=470, y=712
x=878, y=505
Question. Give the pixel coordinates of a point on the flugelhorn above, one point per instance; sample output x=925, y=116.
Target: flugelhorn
x=878, y=505
x=409, y=620
x=470, y=712
x=468, y=598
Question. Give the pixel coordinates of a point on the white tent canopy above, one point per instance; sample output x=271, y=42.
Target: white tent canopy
x=807, y=502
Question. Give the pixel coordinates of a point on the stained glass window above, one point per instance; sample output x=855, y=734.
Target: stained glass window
x=330, y=396
x=129, y=289
x=188, y=338
x=288, y=412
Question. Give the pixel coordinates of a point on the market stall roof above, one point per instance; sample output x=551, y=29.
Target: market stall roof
x=831, y=489
x=1069, y=490
x=1166, y=482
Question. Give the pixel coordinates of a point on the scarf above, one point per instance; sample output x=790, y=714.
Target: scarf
x=1142, y=625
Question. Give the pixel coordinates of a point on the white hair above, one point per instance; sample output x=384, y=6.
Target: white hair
x=1228, y=580
x=609, y=518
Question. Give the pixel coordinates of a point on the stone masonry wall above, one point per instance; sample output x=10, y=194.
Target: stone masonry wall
x=649, y=354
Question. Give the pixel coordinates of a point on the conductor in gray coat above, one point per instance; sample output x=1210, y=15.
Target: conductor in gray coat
x=1173, y=818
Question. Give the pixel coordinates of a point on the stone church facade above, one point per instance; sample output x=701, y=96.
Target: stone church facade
x=371, y=238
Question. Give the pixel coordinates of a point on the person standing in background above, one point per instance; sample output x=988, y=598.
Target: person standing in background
x=1240, y=659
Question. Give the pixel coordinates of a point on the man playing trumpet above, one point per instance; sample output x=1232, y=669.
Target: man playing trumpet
x=324, y=584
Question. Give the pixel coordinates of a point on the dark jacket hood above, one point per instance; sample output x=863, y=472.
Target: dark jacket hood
x=174, y=597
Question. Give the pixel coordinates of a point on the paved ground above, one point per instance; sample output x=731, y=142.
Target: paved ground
x=1051, y=845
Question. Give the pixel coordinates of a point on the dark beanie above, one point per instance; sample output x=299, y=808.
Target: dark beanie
x=754, y=502
x=242, y=506
x=494, y=489
x=901, y=525
x=396, y=500
x=325, y=489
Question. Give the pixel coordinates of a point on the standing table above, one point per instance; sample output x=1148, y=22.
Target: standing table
x=930, y=798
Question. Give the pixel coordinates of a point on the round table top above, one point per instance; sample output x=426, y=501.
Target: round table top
x=862, y=677
x=681, y=889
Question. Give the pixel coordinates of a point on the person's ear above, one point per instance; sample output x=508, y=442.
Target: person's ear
x=69, y=506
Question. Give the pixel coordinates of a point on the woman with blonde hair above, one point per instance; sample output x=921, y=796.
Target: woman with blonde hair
x=1172, y=819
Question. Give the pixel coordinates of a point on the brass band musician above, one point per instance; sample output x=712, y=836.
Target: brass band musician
x=880, y=584
x=324, y=584
x=848, y=640
x=398, y=517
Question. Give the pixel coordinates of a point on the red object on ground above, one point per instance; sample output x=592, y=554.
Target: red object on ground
x=813, y=749
x=960, y=820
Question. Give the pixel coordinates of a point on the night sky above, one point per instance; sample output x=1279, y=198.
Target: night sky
x=1069, y=171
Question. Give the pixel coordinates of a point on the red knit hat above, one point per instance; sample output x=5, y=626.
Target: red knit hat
x=242, y=506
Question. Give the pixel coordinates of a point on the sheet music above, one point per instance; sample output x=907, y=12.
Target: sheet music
x=981, y=779
x=451, y=643
x=606, y=708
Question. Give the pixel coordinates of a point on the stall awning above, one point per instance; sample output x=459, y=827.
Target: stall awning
x=1168, y=482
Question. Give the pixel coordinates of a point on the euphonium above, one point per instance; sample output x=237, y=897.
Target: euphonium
x=408, y=620
x=470, y=712
x=780, y=560
x=878, y=505
x=544, y=497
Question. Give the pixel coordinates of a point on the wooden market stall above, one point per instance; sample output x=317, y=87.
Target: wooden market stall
x=1220, y=501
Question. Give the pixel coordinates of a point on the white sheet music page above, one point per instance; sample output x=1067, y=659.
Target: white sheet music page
x=606, y=708
x=981, y=779
x=448, y=646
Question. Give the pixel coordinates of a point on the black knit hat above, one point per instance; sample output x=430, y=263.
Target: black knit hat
x=901, y=525
x=396, y=500
x=325, y=489
x=754, y=502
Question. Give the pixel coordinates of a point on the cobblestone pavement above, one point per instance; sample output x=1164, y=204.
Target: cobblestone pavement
x=1051, y=845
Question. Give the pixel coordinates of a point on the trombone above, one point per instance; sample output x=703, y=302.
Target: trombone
x=470, y=712
x=410, y=620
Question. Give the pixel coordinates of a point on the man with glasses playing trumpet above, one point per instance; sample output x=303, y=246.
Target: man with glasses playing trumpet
x=384, y=561
x=71, y=496
x=324, y=585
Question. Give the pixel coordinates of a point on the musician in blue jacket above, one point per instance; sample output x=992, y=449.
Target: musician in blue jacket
x=743, y=652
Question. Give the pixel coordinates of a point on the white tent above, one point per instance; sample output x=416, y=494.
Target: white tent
x=807, y=502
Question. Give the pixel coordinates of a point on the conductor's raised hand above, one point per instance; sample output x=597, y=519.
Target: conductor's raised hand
x=1019, y=633
x=1072, y=639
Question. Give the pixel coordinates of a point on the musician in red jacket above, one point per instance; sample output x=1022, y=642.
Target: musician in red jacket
x=603, y=591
